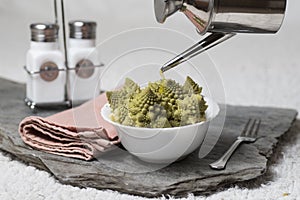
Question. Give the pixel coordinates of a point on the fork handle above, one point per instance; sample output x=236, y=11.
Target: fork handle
x=221, y=163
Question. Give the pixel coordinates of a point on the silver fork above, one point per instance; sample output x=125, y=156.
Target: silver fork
x=249, y=134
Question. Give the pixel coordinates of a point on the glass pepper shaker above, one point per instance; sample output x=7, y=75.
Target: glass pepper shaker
x=84, y=71
x=46, y=77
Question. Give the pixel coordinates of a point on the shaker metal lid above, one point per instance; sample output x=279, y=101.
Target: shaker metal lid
x=44, y=32
x=82, y=29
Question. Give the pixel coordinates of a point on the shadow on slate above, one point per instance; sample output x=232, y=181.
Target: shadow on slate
x=118, y=170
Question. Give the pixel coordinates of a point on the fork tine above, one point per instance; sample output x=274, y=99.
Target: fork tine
x=255, y=129
x=244, y=132
x=250, y=127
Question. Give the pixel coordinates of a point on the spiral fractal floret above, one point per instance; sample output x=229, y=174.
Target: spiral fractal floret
x=162, y=104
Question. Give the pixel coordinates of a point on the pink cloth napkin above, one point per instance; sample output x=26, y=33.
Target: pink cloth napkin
x=79, y=132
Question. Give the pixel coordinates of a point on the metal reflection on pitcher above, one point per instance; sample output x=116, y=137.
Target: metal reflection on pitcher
x=223, y=19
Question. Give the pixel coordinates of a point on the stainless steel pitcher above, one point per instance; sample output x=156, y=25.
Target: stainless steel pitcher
x=223, y=19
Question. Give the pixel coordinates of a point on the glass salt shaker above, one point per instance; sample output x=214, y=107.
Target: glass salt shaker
x=84, y=71
x=46, y=77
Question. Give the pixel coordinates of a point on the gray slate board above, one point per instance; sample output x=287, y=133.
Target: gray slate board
x=118, y=170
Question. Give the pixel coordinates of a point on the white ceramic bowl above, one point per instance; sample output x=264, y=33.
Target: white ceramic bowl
x=163, y=145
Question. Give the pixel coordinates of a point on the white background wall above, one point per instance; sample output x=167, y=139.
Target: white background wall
x=256, y=69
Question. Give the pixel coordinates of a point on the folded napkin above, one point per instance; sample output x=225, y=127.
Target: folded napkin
x=79, y=132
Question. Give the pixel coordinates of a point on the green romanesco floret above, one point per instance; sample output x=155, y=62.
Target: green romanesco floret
x=191, y=109
x=191, y=87
x=162, y=104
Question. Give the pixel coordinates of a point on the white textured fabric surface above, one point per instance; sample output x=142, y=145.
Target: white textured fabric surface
x=256, y=70
x=19, y=181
